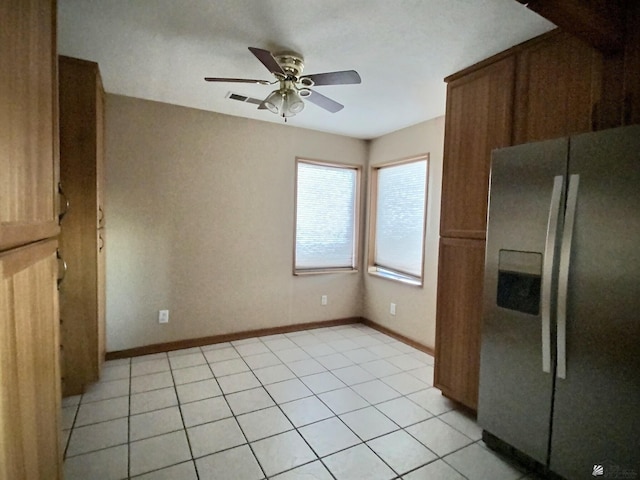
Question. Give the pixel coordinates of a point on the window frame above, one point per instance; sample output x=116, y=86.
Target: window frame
x=356, y=217
x=380, y=270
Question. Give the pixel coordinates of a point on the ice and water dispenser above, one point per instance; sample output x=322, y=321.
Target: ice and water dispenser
x=519, y=281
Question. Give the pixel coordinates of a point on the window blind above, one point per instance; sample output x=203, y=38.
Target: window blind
x=325, y=216
x=399, y=232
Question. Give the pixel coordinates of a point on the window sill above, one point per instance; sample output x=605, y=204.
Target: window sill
x=396, y=277
x=319, y=271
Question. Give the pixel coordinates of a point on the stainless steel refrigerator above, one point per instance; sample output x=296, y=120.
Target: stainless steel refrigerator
x=560, y=357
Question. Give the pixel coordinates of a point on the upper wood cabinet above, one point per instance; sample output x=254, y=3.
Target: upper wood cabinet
x=28, y=179
x=29, y=371
x=83, y=227
x=479, y=119
x=557, y=86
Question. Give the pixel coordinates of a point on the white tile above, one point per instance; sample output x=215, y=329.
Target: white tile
x=306, y=410
x=153, y=400
x=245, y=341
x=263, y=423
x=237, y=463
x=329, y=436
x=204, y=411
x=279, y=344
x=238, y=382
x=353, y=374
x=424, y=374
x=402, y=347
x=292, y=355
x=155, y=381
x=368, y=423
x=360, y=355
x=384, y=351
x=380, y=368
x=252, y=349
x=118, y=372
x=221, y=354
x=249, y=400
x=288, y=390
x=192, y=374
x=432, y=400
x=310, y=471
x=150, y=366
x=343, y=400
x=322, y=382
x=187, y=360
x=214, y=437
x=158, y=452
x=463, y=422
x=478, y=463
x=438, y=437
x=183, y=351
x=71, y=400
x=365, y=340
x=215, y=346
x=358, y=463
x=69, y=415
x=305, y=339
x=306, y=367
x=333, y=361
x=318, y=349
x=107, y=464
x=405, y=383
x=343, y=345
x=406, y=362
x=98, y=436
x=191, y=392
x=403, y=411
x=182, y=471
x=437, y=470
x=282, y=452
x=401, y=451
x=423, y=357
x=262, y=360
x=154, y=423
x=375, y=391
x=95, y=412
x=146, y=358
x=229, y=367
x=105, y=390
x=327, y=335
x=273, y=374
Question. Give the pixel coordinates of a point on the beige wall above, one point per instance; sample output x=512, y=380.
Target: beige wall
x=200, y=221
x=415, y=306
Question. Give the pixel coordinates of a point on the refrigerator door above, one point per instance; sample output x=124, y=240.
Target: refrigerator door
x=516, y=367
x=596, y=419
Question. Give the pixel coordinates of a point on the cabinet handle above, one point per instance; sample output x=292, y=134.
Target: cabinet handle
x=101, y=242
x=66, y=203
x=100, y=217
x=547, y=271
x=64, y=268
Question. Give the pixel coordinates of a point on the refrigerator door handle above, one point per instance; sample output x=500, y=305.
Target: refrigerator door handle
x=563, y=275
x=547, y=271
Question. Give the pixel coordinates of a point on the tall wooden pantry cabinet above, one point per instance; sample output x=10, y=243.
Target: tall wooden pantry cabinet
x=82, y=295
x=29, y=330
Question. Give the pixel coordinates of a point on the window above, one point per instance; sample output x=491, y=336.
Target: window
x=398, y=220
x=326, y=217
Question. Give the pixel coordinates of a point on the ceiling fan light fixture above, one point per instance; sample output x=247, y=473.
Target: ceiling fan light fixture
x=275, y=101
x=293, y=104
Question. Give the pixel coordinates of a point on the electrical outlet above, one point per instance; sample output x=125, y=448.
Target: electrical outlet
x=163, y=316
x=323, y=300
x=392, y=309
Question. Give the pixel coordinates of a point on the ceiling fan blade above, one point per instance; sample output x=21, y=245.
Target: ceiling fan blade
x=324, y=102
x=346, y=77
x=236, y=80
x=267, y=60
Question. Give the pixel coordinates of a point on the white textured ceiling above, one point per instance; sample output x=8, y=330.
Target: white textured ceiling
x=161, y=50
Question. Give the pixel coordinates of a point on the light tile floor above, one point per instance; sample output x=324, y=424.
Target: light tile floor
x=342, y=403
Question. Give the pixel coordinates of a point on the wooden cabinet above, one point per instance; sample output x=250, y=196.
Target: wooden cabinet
x=28, y=163
x=459, y=314
x=479, y=118
x=29, y=371
x=83, y=234
x=557, y=87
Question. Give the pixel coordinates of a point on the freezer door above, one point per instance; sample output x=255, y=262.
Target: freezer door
x=596, y=421
x=516, y=379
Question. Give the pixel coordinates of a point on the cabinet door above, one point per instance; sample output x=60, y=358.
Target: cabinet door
x=479, y=118
x=28, y=178
x=29, y=372
x=632, y=65
x=557, y=84
x=458, y=319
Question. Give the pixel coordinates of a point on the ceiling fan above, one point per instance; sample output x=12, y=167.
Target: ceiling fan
x=287, y=68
